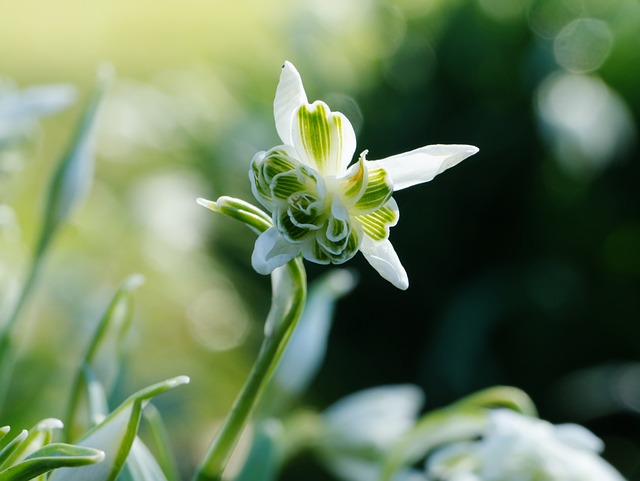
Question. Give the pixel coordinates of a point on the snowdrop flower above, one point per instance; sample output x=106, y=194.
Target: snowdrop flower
x=518, y=447
x=322, y=207
x=360, y=428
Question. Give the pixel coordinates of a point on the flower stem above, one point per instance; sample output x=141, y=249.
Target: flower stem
x=289, y=295
x=7, y=348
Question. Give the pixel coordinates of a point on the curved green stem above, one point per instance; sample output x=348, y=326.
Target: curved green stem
x=7, y=351
x=289, y=295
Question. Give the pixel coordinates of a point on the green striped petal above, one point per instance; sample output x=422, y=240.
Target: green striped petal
x=290, y=231
x=264, y=167
x=377, y=223
x=300, y=180
x=354, y=183
x=376, y=194
x=305, y=211
x=323, y=251
x=324, y=140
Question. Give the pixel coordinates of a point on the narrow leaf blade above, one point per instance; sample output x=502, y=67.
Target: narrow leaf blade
x=49, y=457
x=115, y=435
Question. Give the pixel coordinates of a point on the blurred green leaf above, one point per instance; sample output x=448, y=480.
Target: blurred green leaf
x=101, y=363
x=500, y=397
x=141, y=464
x=307, y=347
x=115, y=435
x=37, y=437
x=163, y=450
x=20, y=109
x=49, y=457
x=263, y=460
x=73, y=176
x=12, y=445
x=69, y=183
x=434, y=429
x=4, y=430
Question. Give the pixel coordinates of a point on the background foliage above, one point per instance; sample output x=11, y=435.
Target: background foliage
x=523, y=261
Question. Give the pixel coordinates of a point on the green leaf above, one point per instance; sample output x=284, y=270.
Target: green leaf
x=306, y=350
x=11, y=446
x=74, y=173
x=115, y=436
x=36, y=437
x=101, y=363
x=70, y=181
x=141, y=465
x=161, y=444
x=501, y=397
x=434, y=429
x=21, y=109
x=264, y=458
x=49, y=457
x=4, y=430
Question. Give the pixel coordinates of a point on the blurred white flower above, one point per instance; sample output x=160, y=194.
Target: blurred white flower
x=323, y=208
x=520, y=448
x=362, y=427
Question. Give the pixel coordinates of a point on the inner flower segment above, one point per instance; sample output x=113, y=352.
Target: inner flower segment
x=305, y=208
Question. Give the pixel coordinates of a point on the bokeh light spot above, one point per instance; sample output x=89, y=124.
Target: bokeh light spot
x=583, y=45
x=504, y=10
x=218, y=319
x=586, y=124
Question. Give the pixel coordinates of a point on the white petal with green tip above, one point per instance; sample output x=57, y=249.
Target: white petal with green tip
x=423, y=164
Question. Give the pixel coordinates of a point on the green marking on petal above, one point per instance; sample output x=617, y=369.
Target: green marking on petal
x=302, y=179
x=377, y=223
x=260, y=187
x=287, y=184
x=276, y=162
x=291, y=232
x=337, y=230
x=315, y=133
x=317, y=254
x=341, y=250
x=378, y=192
x=354, y=185
x=305, y=211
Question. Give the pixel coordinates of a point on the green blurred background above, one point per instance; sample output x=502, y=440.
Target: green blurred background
x=524, y=261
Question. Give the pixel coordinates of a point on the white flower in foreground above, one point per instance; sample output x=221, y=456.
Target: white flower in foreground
x=323, y=208
x=521, y=448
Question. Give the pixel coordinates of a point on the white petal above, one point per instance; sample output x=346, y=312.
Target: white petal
x=423, y=164
x=272, y=250
x=383, y=258
x=578, y=437
x=377, y=416
x=289, y=96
